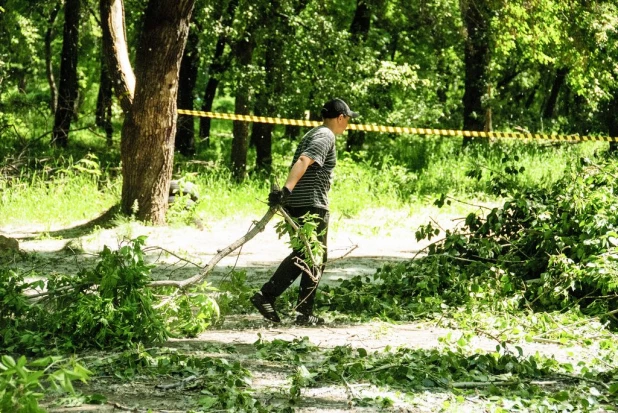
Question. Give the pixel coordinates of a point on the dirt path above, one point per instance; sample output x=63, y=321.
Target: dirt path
x=376, y=244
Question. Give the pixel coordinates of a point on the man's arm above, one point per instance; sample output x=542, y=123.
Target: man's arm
x=298, y=170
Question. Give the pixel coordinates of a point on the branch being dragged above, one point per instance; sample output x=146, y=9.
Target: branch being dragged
x=196, y=279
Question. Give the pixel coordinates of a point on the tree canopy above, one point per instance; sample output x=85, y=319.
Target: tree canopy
x=543, y=66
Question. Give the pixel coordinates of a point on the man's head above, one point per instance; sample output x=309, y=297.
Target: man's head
x=336, y=114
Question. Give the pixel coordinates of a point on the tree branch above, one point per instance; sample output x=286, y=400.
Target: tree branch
x=184, y=284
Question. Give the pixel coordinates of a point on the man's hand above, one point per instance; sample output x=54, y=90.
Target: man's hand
x=278, y=197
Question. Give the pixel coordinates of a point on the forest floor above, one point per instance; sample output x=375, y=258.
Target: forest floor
x=376, y=243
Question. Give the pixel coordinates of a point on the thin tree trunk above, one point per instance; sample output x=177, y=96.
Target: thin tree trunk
x=147, y=141
x=116, y=52
x=612, y=122
x=361, y=22
x=68, y=92
x=217, y=67
x=103, y=114
x=559, y=79
x=476, y=55
x=240, y=142
x=261, y=133
x=261, y=138
x=185, y=133
x=359, y=29
x=49, y=34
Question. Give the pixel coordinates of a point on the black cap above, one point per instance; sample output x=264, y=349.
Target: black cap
x=336, y=107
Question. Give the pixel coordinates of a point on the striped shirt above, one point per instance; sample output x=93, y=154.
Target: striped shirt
x=312, y=188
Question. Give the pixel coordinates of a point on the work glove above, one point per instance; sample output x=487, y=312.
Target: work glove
x=278, y=196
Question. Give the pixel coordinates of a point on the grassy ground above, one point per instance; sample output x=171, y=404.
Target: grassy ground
x=55, y=187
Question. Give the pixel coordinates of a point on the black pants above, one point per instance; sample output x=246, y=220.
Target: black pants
x=289, y=271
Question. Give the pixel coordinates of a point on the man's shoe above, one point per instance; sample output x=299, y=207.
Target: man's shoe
x=309, y=320
x=265, y=307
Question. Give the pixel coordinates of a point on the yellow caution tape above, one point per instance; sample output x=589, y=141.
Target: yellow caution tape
x=398, y=129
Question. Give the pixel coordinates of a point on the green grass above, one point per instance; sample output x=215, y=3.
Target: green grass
x=405, y=175
x=59, y=193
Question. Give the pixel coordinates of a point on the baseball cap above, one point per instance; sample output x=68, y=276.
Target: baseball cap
x=336, y=107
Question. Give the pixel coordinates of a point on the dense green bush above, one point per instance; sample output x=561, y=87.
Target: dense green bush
x=545, y=249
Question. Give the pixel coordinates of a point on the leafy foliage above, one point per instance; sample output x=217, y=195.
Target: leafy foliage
x=305, y=238
x=104, y=307
x=544, y=249
x=22, y=383
x=220, y=384
x=190, y=313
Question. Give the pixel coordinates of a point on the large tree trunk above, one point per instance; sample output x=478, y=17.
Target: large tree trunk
x=147, y=141
x=240, y=142
x=475, y=14
x=68, y=74
x=185, y=133
x=217, y=67
x=116, y=52
x=49, y=69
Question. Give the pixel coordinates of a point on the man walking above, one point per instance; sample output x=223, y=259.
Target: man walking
x=306, y=192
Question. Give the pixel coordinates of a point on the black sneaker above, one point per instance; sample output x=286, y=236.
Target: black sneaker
x=309, y=320
x=265, y=307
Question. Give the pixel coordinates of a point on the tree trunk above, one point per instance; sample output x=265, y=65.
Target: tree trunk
x=244, y=54
x=612, y=122
x=261, y=137
x=185, y=133
x=217, y=67
x=103, y=114
x=261, y=133
x=361, y=22
x=68, y=74
x=475, y=15
x=116, y=52
x=359, y=30
x=550, y=106
x=53, y=99
x=147, y=141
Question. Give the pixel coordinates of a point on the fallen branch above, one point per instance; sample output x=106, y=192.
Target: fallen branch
x=199, y=277
x=476, y=384
x=182, y=383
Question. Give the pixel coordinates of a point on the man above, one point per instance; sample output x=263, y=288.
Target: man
x=306, y=191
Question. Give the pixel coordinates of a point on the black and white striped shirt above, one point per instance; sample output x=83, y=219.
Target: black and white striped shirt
x=312, y=188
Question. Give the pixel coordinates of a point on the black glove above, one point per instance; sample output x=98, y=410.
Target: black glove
x=278, y=196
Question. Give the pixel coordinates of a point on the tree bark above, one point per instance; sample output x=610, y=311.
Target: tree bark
x=475, y=14
x=116, y=52
x=68, y=90
x=147, y=141
x=240, y=142
x=53, y=99
x=217, y=67
x=185, y=133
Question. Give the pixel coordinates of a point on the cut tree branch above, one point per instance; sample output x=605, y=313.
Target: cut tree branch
x=196, y=279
